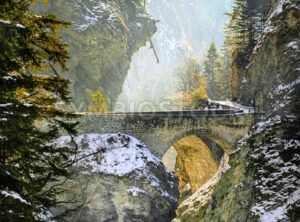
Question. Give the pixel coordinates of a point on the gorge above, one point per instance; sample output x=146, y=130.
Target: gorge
x=182, y=111
x=232, y=191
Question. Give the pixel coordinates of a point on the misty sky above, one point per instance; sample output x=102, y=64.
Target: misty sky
x=185, y=27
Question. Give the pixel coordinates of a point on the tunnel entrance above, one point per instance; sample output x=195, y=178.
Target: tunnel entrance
x=195, y=161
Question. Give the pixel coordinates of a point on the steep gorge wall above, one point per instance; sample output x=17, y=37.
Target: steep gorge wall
x=102, y=39
x=273, y=74
x=274, y=69
x=263, y=182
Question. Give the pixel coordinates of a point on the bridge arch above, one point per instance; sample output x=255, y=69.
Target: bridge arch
x=160, y=130
x=195, y=158
x=207, y=135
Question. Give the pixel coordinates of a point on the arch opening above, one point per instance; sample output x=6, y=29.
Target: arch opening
x=195, y=160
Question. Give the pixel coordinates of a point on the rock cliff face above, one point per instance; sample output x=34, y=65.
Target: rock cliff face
x=102, y=40
x=118, y=180
x=273, y=75
x=264, y=179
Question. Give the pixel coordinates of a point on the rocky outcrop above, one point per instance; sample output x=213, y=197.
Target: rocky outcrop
x=102, y=39
x=264, y=179
x=118, y=179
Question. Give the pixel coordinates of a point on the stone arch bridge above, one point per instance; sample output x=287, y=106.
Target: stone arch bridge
x=160, y=130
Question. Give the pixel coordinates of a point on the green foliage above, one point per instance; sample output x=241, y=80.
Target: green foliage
x=98, y=103
x=29, y=48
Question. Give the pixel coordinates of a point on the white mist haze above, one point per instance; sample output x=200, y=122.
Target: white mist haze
x=185, y=28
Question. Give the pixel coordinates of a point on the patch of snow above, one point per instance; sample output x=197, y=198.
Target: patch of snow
x=269, y=29
x=262, y=125
x=135, y=191
x=234, y=105
x=291, y=143
x=96, y=12
x=6, y=104
x=46, y=216
x=294, y=45
x=122, y=161
x=115, y=154
x=28, y=104
x=120, y=154
x=279, y=9
x=276, y=177
x=5, y=21
x=165, y=194
x=20, y=26
x=14, y=195
x=285, y=87
x=279, y=213
x=7, y=78
x=138, y=24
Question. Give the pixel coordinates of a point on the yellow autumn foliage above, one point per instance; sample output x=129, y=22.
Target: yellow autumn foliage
x=199, y=94
x=194, y=98
x=98, y=103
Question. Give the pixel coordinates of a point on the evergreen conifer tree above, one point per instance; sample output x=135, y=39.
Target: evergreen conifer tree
x=210, y=68
x=31, y=92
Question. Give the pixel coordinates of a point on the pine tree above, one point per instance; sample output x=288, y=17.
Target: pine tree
x=210, y=68
x=219, y=78
x=31, y=91
x=226, y=68
x=216, y=69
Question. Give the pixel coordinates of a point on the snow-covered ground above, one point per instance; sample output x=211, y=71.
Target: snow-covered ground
x=119, y=155
x=234, y=105
x=116, y=154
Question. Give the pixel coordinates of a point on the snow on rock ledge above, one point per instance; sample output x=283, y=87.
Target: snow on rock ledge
x=117, y=177
x=120, y=154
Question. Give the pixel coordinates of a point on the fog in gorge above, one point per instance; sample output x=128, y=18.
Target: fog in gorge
x=185, y=29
